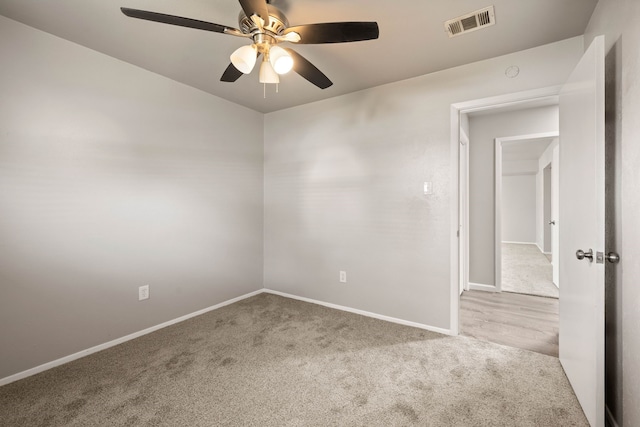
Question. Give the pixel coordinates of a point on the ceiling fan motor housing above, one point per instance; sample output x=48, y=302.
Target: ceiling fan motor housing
x=276, y=25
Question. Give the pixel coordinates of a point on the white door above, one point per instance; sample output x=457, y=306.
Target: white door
x=582, y=220
x=555, y=211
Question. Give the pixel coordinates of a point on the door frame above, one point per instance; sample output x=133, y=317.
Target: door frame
x=498, y=195
x=463, y=200
x=555, y=215
x=457, y=109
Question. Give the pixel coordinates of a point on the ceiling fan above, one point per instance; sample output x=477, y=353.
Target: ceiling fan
x=267, y=27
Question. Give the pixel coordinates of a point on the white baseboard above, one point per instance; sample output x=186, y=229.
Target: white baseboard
x=611, y=422
x=520, y=243
x=363, y=313
x=112, y=343
x=482, y=287
x=542, y=250
x=99, y=347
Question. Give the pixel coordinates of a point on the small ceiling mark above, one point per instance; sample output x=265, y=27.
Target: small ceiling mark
x=512, y=72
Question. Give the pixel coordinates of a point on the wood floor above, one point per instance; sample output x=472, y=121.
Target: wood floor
x=516, y=320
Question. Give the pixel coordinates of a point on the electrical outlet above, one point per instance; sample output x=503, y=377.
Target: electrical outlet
x=143, y=292
x=343, y=277
x=428, y=188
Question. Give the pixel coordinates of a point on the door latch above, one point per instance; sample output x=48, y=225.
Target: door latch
x=599, y=258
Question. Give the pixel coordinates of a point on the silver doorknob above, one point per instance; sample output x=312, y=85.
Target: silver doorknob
x=580, y=254
x=613, y=257
x=552, y=222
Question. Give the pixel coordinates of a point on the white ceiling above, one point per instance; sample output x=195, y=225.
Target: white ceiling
x=527, y=149
x=412, y=39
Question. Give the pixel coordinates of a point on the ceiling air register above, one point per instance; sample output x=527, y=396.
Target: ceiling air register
x=471, y=22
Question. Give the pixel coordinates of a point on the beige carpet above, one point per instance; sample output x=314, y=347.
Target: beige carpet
x=272, y=361
x=526, y=270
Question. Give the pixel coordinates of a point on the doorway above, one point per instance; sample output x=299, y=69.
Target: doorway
x=524, y=222
x=469, y=293
x=459, y=208
x=491, y=165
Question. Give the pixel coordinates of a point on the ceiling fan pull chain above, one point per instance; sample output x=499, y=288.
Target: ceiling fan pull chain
x=265, y=90
x=277, y=87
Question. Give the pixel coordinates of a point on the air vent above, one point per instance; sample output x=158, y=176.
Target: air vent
x=470, y=22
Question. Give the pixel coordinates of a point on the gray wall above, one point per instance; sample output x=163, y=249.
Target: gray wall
x=344, y=180
x=112, y=177
x=519, y=208
x=484, y=129
x=618, y=20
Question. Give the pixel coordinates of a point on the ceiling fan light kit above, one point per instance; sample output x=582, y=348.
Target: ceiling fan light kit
x=244, y=58
x=267, y=26
x=267, y=74
x=280, y=59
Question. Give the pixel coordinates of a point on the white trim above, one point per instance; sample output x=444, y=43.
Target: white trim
x=522, y=243
x=362, y=313
x=112, y=343
x=510, y=99
x=520, y=138
x=524, y=173
x=463, y=200
x=482, y=287
x=541, y=251
x=609, y=417
x=497, y=218
x=454, y=250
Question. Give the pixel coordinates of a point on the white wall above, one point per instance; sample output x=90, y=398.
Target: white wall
x=618, y=20
x=519, y=208
x=519, y=167
x=112, y=177
x=344, y=180
x=484, y=129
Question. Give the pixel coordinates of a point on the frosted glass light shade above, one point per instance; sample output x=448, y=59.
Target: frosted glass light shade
x=280, y=59
x=268, y=74
x=244, y=58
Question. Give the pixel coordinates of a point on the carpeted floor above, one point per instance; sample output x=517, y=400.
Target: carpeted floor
x=526, y=270
x=273, y=361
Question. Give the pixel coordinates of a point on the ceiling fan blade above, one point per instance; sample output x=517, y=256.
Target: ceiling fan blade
x=309, y=71
x=177, y=20
x=255, y=7
x=231, y=74
x=335, y=32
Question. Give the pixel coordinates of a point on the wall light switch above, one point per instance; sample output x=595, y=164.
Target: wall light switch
x=143, y=292
x=428, y=188
x=343, y=277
